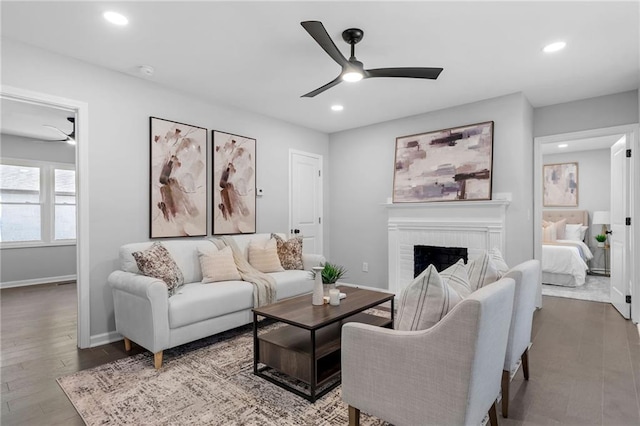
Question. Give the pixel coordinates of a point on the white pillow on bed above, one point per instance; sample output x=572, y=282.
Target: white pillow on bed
x=575, y=232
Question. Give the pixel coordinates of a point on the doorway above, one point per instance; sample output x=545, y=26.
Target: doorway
x=306, y=199
x=594, y=197
x=80, y=111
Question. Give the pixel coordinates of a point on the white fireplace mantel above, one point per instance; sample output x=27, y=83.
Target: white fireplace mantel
x=476, y=225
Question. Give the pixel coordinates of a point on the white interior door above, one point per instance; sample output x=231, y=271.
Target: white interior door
x=618, y=237
x=305, y=183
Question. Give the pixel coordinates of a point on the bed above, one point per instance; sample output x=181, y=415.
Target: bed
x=564, y=261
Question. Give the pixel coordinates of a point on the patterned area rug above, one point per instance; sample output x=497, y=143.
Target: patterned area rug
x=595, y=289
x=207, y=382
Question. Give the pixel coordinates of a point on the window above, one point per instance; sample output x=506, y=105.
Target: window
x=37, y=203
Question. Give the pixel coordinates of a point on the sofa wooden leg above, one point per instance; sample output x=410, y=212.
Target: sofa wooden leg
x=127, y=345
x=157, y=360
x=525, y=364
x=505, y=393
x=354, y=416
x=493, y=415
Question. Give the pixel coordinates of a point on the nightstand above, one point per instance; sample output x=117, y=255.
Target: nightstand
x=605, y=254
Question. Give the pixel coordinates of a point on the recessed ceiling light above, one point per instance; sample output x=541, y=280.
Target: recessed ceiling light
x=563, y=145
x=337, y=107
x=115, y=18
x=554, y=47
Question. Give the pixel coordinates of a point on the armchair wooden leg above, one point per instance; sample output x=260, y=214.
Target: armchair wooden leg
x=506, y=376
x=157, y=360
x=493, y=415
x=127, y=345
x=525, y=364
x=354, y=416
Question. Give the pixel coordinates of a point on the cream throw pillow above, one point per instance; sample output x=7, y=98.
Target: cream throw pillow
x=457, y=278
x=561, y=226
x=425, y=301
x=218, y=265
x=482, y=271
x=549, y=233
x=498, y=261
x=264, y=256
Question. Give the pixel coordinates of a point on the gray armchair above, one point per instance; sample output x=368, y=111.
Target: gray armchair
x=448, y=374
x=527, y=277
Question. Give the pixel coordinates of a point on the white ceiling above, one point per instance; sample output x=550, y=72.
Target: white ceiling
x=28, y=120
x=257, y=57
x=600, y=142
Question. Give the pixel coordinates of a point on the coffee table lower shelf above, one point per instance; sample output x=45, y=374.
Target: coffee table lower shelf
x=310, y=356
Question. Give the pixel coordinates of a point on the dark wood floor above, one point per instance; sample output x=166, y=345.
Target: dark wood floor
x=584, y=362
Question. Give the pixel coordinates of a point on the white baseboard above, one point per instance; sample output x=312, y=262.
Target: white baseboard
x=36, y=281
x=104, y=338
x=365, y=287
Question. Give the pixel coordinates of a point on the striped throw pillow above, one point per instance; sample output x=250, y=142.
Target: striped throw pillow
x=425, y=301
x=218, y=265
x=498, y=261
x=263, y=255
x=482, y=271
x=457, y=278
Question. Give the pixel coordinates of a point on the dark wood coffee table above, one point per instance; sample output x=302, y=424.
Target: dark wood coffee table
x=307, y=348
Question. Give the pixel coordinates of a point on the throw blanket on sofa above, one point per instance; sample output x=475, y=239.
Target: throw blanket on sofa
x=264, y=286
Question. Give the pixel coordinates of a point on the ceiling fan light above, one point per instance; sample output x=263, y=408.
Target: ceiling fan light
x=115, y=18
x=352, y=76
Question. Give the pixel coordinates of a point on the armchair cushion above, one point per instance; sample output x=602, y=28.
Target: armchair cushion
x=156, y=262
x=457, y=278
x=425, y=301
x=482, y=271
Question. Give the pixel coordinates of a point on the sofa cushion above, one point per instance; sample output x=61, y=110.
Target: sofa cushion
x=183, y=252
x=292, y=283
x=289, y=252
x=264, y=256
x=156, y=262
x=218, y=265
x=198, y=302
x=425, y=301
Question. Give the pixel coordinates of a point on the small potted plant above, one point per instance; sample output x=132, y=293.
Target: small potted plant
x=330, y=274
x=600, y=238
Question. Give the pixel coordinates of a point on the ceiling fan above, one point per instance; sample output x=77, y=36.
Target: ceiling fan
x=68, y=138
x=352, y=69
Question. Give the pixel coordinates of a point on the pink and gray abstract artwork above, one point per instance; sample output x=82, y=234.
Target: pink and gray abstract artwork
x=446, y=165
x=178, y=179
x=234, y=184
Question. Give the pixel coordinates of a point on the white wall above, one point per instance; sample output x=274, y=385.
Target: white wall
x=593, y=113
x=119, y=108
x=361, y=179
x=594, y=187
x=17, y=265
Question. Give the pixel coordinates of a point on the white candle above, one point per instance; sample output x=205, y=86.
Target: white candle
x=334, y=296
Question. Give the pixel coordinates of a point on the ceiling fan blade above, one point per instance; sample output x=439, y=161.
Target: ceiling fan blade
x=320, y=35
x=327, y=86
x=430, y=73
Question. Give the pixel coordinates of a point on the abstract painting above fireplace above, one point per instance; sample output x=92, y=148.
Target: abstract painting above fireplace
x=445, y=165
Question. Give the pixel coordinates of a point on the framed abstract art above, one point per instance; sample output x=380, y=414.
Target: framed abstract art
x=234, y=184
x=445, y=165
x=178, y=179
x=560, y=185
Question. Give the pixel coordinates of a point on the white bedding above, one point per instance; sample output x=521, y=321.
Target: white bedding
x=560, y=259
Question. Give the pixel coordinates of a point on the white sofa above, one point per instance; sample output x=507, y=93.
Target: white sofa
x=146, y=315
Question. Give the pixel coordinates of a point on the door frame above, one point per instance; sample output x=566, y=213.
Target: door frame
x=82, y=193
x=633, y=201
x=320, y=191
